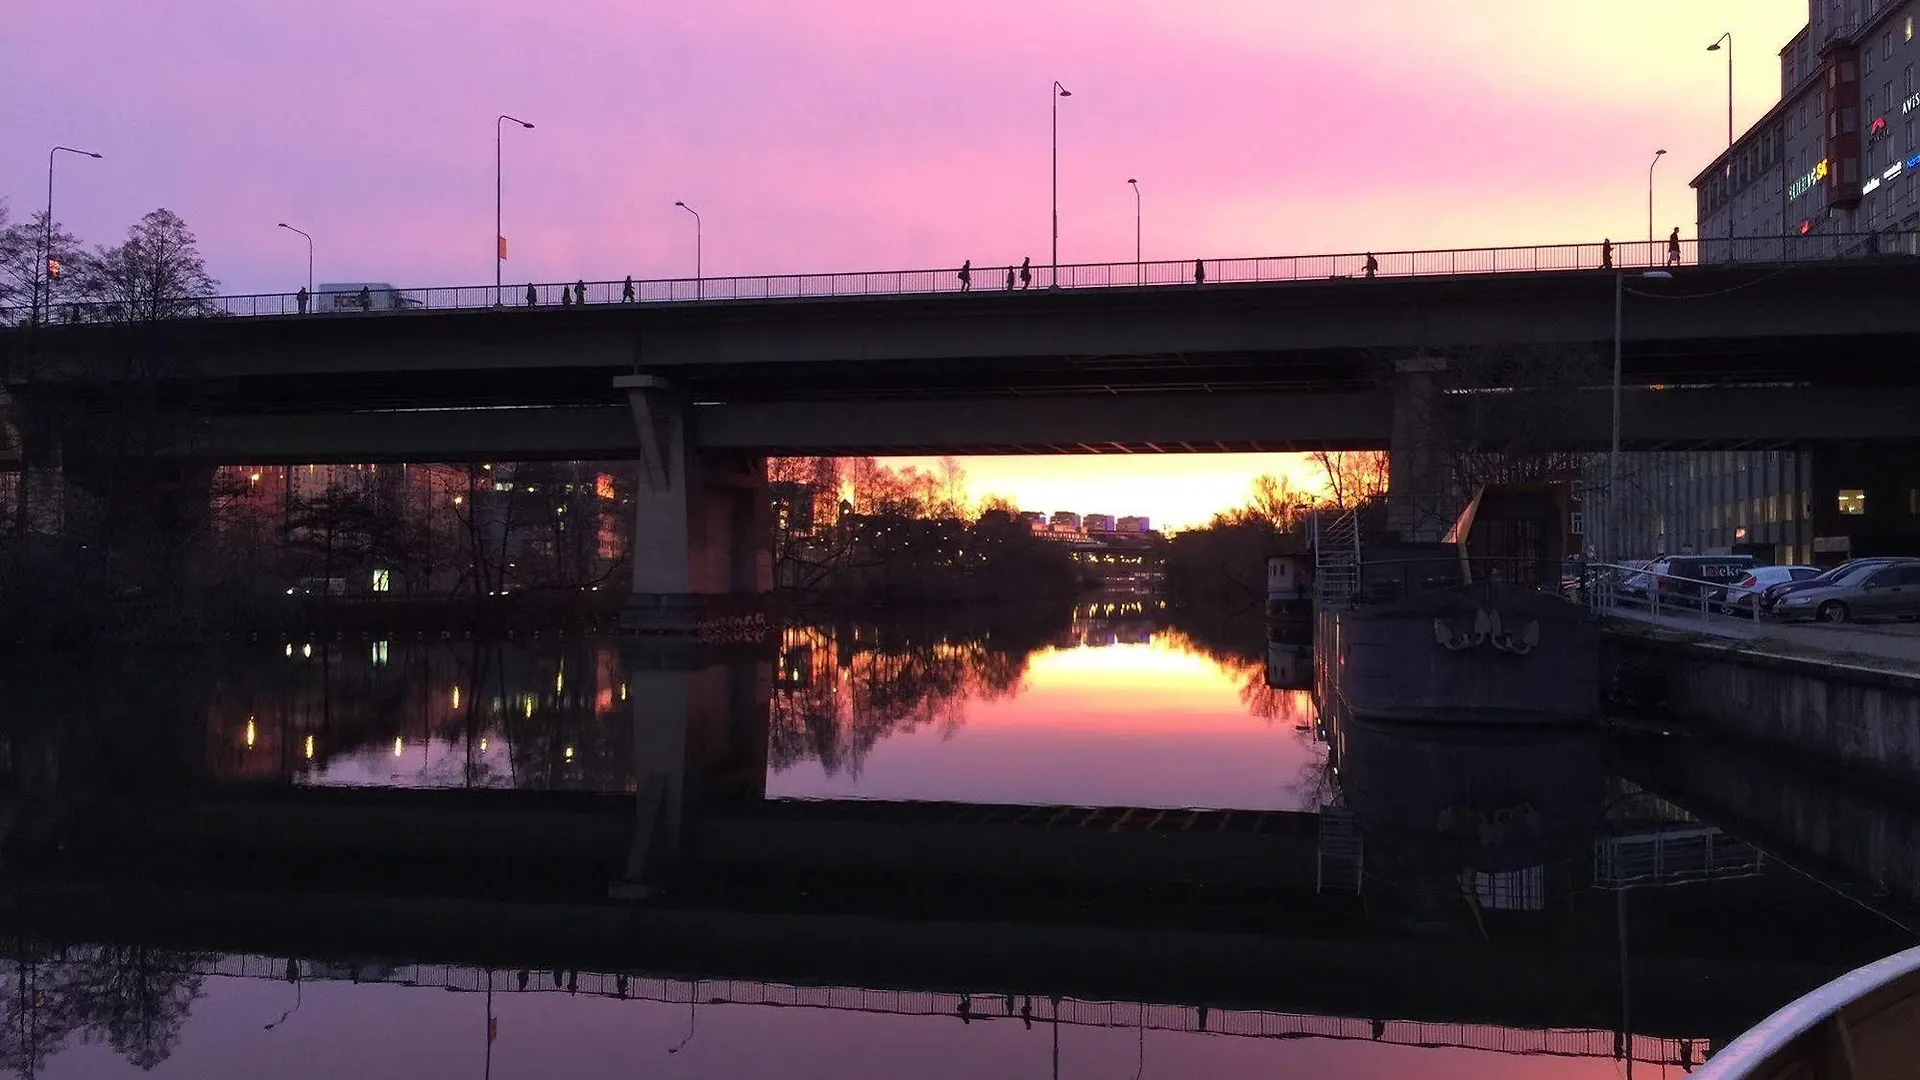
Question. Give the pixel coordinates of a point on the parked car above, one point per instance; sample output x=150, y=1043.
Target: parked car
x=1874, y=591
x=1771, y=597
x=1740, y=597
x=1683, y=578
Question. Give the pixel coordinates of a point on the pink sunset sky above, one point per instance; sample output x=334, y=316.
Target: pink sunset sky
x=869, y=134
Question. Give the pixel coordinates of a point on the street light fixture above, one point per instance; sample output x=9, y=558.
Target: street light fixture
x=46, y=234
x=499, y=241
x=1613, y=537
x=1053, y=276
x=1657, y=155
x=699, y=277
x=303, y=232
x=1139, y=277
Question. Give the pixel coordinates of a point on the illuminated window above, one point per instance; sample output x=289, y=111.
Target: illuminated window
x=1909, y=30
x=1853, y=501
x=382, y=580
x=380, y=652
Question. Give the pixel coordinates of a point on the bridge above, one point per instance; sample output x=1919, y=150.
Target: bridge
x=1264, y=354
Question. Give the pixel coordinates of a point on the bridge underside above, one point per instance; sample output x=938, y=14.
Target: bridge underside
x=1720, y=419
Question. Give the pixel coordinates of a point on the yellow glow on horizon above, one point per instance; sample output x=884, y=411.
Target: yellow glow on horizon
x=1174, y=491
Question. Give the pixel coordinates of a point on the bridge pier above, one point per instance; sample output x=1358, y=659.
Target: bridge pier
x=34, y=447
x=1418, y=507
x=703, y=533
x=700, y=727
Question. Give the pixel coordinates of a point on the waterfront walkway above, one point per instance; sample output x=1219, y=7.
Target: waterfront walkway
x=1884, y=646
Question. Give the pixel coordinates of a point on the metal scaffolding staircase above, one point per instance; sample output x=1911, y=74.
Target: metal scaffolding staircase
x=1336, y=557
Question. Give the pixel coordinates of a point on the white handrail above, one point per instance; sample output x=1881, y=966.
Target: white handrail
x=1609, y=598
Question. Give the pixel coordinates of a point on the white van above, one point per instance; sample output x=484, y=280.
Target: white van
x=358, y=296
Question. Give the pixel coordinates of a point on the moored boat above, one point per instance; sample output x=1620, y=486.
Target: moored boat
x=1473, y=629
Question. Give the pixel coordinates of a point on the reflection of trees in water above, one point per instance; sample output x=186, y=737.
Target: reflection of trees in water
x=1249, y=669
x=839, y=691
x=133, y=998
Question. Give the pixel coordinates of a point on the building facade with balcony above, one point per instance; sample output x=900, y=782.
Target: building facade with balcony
x=1837, y=154
x=1832, y=168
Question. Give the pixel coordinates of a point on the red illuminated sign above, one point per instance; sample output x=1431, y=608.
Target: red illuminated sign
x=1806, y=226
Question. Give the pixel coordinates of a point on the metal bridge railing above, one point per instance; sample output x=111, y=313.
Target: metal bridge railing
x=1614, y=589
x=992, y=278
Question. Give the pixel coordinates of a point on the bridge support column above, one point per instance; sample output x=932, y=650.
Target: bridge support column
x=1419, y=500
x=703, y=536
x=40, y=497
x=700, y=727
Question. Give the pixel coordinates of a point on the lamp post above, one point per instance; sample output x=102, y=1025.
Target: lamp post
x=1715, y=47
x=1657, y=155
x=1727, y=38
x=1612, y=533
x=1053, y=275
x=1139, y=275
x=303, y=232
x=499, y=241
x=699, y=278
x=46, y=233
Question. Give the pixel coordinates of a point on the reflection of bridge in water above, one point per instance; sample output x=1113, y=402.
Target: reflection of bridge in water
x=1093, y=904
x=1028, y=1010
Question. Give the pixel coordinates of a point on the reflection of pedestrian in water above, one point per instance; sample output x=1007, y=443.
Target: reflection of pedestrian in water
x=533, y=298
x=1199, y=272
x=626, y=291
x=304, y=299
x=966, y=1008
x=522, y=978
x=1026, y=1013
x=1026, y=272
x=966, y=275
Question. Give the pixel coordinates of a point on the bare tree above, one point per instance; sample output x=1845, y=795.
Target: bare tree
x=1352, y=476
x=1508, y=411
x=21, y=247
x=156, y=273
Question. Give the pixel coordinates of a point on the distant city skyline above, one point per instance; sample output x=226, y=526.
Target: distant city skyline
x=843, y=135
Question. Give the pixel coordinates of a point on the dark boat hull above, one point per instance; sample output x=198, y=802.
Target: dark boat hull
x=1472, y=654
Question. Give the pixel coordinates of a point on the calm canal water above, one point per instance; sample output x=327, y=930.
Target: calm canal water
x=1448, y=904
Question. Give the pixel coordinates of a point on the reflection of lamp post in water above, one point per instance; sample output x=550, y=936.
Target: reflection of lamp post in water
x=693, y=1004
x=293, y=976
x=1056, y=1036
